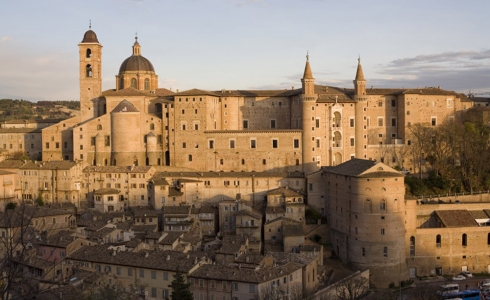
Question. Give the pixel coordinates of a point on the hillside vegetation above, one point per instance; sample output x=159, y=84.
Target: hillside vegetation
x=22, y=109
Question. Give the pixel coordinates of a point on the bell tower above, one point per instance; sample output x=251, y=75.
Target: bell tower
x=90, y=61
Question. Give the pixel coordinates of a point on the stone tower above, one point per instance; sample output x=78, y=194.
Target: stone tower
x=90, y=53
x=308, y=100
x=361, y=111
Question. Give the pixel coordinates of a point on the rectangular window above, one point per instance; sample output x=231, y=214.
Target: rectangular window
x=130, y=272
x=317, y=123
x=251, y=289
x=273, y=124
x=296, y=143
x=165, y=275
x=274, y=143
x=92, y=142
x=253, y=144
x=232, y=144
x=433, y=121
x=351, y=122
x=142, y=273
x=393, y=121
x=352, y=142
x=380, y=121
x=245, y=124
x=382, y=231
x=211, y=144
x=235, y=286
x=184, y=145
x=107, y=140
x=393, y=102
x=5, y=146
x=318, y=143
x=118, y=270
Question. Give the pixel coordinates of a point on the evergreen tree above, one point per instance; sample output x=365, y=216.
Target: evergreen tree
x=180, y=288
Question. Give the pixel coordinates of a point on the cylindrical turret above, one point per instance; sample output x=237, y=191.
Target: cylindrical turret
x=125, y=134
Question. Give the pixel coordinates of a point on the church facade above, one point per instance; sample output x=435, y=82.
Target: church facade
x=139, y=123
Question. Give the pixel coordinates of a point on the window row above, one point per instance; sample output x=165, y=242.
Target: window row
x=232, y=144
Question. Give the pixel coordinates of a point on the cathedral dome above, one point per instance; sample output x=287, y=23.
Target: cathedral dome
x=90, y=37
x=136, y=63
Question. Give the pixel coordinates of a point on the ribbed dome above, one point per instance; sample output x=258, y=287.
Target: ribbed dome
x=136, y=63
x=90, y=37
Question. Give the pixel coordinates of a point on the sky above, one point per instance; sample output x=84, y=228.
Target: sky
x=248, y=44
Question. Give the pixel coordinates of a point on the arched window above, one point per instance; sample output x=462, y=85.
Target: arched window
x=88, y=54
x=133, y=83
x=190, y=157
x=464, y=240
x=438, y=241
x=412, y=246
x=152, y=126
x=367, y=206
x=382, y=205
x=88, y=71
x=99, y=127
x=147, y=84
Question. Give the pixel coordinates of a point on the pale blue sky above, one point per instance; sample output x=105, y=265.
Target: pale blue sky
x=247, y=44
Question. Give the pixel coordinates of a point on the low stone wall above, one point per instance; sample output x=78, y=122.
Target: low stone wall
x=482, y=196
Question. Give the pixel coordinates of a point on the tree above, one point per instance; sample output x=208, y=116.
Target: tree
x=180, y=288
x=351, y=288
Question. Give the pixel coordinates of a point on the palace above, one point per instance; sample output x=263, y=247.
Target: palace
x=139, y=123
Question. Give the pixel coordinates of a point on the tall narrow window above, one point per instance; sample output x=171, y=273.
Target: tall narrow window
x=133, y=83
x=245, y=124
x=274, y=143
x=253, y=144
x=385, y=251
x=438, y=240
x=273, y=124
x=147, y=84
x=88, y=70
x=88, y=53
x=412, y=246
x=363, y=251
x=464, y=241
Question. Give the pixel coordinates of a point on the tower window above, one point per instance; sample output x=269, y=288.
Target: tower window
x=88, y=53
x=88, y=70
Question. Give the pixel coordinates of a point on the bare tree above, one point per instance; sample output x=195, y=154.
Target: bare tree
x=351, y=288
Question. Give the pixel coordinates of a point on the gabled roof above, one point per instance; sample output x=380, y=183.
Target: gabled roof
x=456, y=218
x=286, y=191
x=363, y=168
x=107, y=191
x=124, y=106
x=176, y=210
